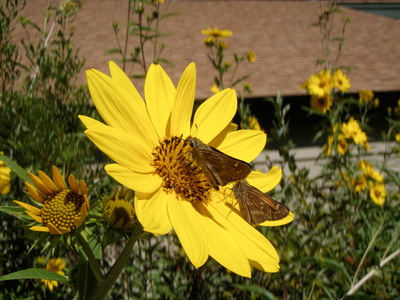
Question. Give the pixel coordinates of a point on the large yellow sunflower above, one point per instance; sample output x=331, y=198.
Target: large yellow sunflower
x=149, y=142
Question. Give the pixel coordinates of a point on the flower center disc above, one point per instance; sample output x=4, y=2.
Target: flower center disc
x=174, y=163
x=62, y=208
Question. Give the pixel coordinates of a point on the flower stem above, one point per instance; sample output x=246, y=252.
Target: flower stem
x=103, y=287
x=371, y=273
x=91, y=258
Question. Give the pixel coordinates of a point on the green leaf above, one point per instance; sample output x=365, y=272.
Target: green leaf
x=21, y=173
x=86, y=278
x=34, y=273
x=256, y=289
x=16, y=211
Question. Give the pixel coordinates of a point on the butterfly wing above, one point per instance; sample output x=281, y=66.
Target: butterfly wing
x=219, y=167
x=257, y=207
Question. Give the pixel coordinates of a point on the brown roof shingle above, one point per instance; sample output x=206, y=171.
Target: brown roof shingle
x=286, y=46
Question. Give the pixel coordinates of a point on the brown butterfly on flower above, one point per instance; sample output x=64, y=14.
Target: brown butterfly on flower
x=257, y=207
x=219, y=168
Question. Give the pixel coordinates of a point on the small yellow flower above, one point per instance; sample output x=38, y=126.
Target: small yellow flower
x=321, y=104
x=223, y=44
x=341, y=81
x=366, y=96
x=40, y=260
x=397, y=109
x=342, y=146
x=352, y=130
x=251, y=56
x=119, y=211
x=5, y=183
x=376, y=102
x=369, y=171
x=55, y=265
x=214, y=89
x=377, y=192
x=216, y=33
x=252, y=123
x=328, y=146
x=60, y=209
x=397, y=137
x=247, y=88
x=360, y=184
x=319, y=84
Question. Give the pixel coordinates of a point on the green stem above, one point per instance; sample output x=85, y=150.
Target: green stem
x=103, y=287
x=92, y=259
x=366, y=251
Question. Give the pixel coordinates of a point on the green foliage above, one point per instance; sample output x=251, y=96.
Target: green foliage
x=142, y=25
x=339, y=234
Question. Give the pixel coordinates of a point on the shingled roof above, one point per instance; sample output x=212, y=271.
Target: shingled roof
x=286, y=46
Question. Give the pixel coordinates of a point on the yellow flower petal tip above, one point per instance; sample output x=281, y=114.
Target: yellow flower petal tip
x=289, y=218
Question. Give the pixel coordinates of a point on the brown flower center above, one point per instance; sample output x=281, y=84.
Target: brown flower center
x=62, y=208
x=173, y=162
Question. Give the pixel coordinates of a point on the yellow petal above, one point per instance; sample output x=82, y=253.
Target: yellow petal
x=254, y=245
x=121, y=147
x=183, y=107
x=34, y=193
x=29, y=207
x=222, y=244
x=244, y=144
x=160, y=95
x=214, y=115
x=86, y=202
x=83, y=187
x=53, y=229
x=47, y=181
x=34, y=216
x=140, y=182
x=123, y=80
x=289, y=218
x=265, y=182
x=118, y=108
x=58, y=179
x=40, y=184
x=189, y=227
x=222, y=135
x=151, y=210
x=39, y=228
x=73, y=184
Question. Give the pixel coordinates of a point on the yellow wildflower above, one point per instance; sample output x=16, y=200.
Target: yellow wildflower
x=215, y=34
x=215, y=89
x=251, y=56
x=397, y=109
x=352, y=130
x=360, y=184
x=397, y=137
x=341, y=81
x=319, y=84
x=60, y=209
x=5, y=181
x=321, y=104
x=366, y=96
x=377, y=192
x=55, y=265
x=119, y=211
x=342, y=146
